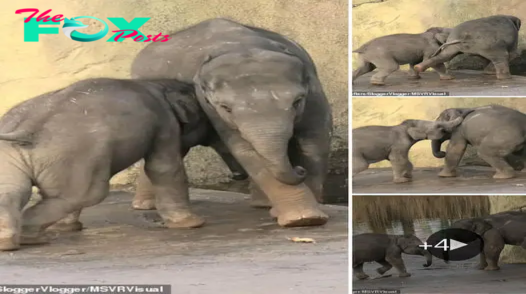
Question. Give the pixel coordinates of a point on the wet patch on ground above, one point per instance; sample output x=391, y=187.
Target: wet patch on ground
x=473, y=179
x=466, y=83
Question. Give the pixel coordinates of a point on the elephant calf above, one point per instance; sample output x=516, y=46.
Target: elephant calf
x=70, y=142
x=495, y=38
x=387, y=53
x=376, y=143
x=387, y=251
x=496, y=230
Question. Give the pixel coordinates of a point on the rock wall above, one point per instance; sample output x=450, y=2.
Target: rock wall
x=30, y=69
x=392, y=111
x=375, y=18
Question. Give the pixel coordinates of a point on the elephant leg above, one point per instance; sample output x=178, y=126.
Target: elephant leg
x=385, y=267
x=164, y=167
x=359, y=164
x=385, y=68
x=482, y=261
x=144, y=198
x=493, y=246
x=412, y=74
x=504, y=170
x=402, y=167
x=444, y=56
x=363, y=68
x=398, y=264
x=359, y=273
x=500, y=60
x=312, y=152
x=258, y=197
x=442, y=71
x=86, y=184
x=454, y=152
x=14, y=195
x=70, y=223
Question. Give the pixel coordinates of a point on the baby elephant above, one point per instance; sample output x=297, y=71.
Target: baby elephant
x=376, y=143
x=70, y=142
x=387, y=53
x=387, y=251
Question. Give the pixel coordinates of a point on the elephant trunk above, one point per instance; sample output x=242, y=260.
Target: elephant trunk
x=429, y=258
x=271, y=142
x=435, y=146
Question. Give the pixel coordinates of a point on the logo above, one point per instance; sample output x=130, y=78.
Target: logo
x=454, y=244
x=36, y=26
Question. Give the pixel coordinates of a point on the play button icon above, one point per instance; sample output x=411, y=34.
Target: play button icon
x=454, y=244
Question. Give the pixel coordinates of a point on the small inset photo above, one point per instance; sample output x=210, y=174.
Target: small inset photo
x=438, y=48
x=438, y=145
x=438, y=244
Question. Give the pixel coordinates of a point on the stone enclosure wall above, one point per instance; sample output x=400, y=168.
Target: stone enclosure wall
x=376, y=18
x=30, y=69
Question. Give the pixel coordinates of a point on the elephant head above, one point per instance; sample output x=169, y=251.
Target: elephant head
x=447, y=115
x=476, y=225
x=410, y=244
x=432, y=130
x=439, y=34
x=262, y=94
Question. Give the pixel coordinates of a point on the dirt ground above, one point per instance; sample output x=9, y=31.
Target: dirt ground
x=466, y=83
x=473, y=180
x=241, y=250
x=453, y=278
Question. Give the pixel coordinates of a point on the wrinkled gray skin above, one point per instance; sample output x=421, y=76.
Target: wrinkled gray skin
x=262, y=94
x=387, y=53
x=494, y=38
x=497, y=132
x=387, y=251
x=497, y=230
x=70, y=142
x=376, y=143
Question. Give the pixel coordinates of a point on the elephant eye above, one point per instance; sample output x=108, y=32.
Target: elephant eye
x=298, y=101
x=225, y=108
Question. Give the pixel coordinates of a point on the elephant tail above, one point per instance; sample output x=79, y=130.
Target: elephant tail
x=444, y=46
x=21, y=136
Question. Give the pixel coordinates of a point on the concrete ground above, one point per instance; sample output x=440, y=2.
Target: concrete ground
x=453, y=278
x=241, y=250
x=472, y=179
x=466, y=83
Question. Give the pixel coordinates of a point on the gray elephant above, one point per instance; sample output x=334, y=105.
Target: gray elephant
x=494, y=38
x=497, y=132
x=387, y=53
x=376, y=143
x=262, y=94
x=496, y=230
x=70, y=142
x=387, y=251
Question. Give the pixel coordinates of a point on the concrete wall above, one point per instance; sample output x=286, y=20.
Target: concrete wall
x=30, y=69
x=373, y=18
x=392, y=111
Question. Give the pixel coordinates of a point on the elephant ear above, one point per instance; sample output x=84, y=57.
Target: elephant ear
x=416, y=133
x=198, y=82
x=441, y=37
x=183, y=104
x=480, y=226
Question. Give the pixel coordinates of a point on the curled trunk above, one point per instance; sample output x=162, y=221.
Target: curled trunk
x=429, y=258
x=435, y=146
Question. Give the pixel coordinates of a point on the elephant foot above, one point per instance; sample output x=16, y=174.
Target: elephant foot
x=404, y=275
x=447, y=174
x=447, y=77
x=481, y=266
x=378, y=83
x=503, y=175
x=274, y=212
x=503, y=76
x=189, y=221
x=489, y=73
x=411, y=77
x=9, y=244
x=66, y=227
x=301, y=217
x=139, y=203
x=401, y=180
x=362, y=276
x=492, y=268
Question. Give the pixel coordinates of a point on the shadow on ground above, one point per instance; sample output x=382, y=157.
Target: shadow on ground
x=239, y=248
x=474, y=180
x=466, y=83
